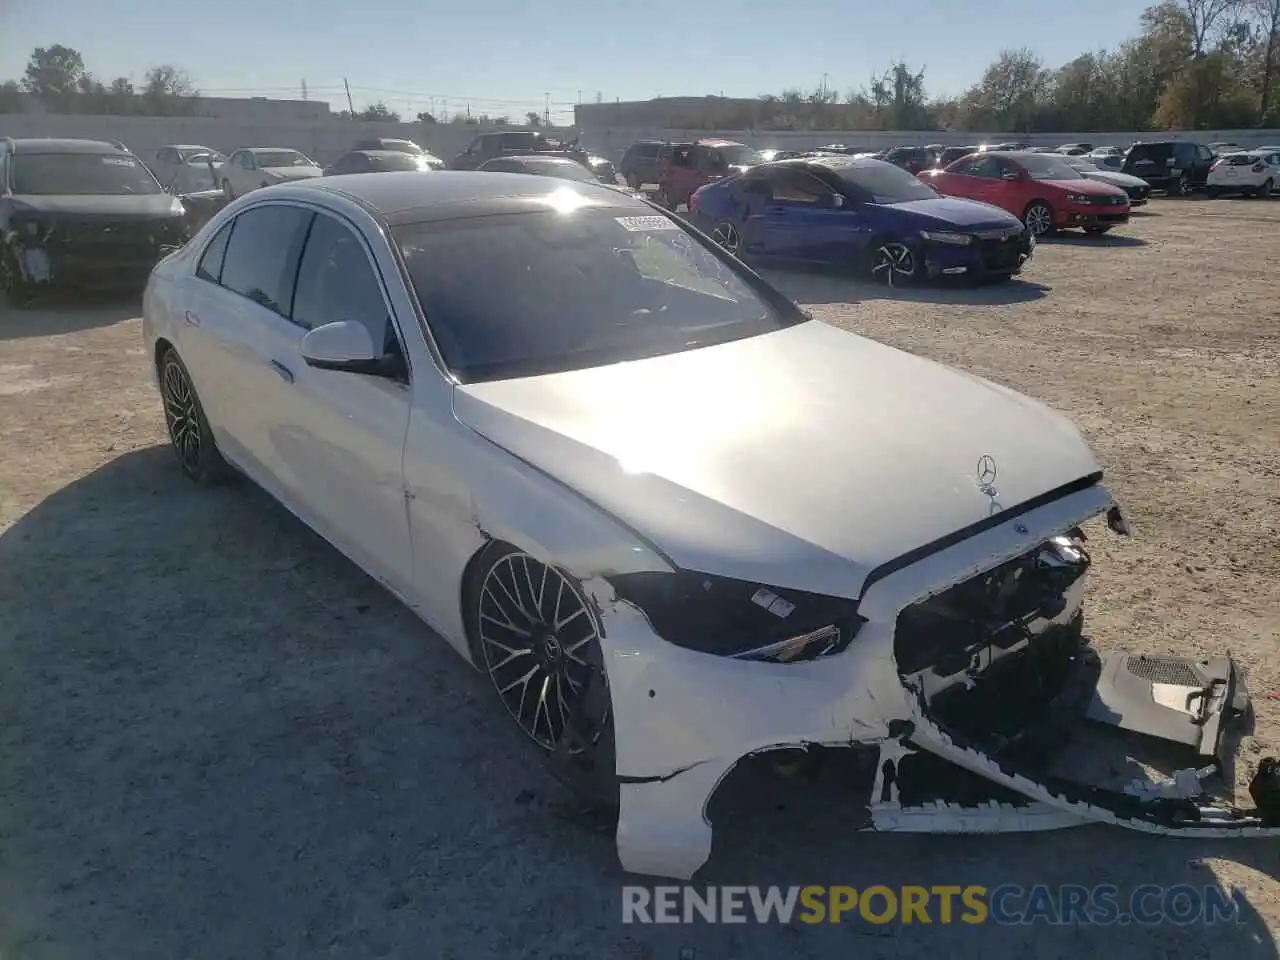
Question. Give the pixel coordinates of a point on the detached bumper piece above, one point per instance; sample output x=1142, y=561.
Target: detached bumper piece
x=1076, y=219
x=1060, y=735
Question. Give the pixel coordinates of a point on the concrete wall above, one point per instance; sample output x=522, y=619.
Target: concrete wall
x=323, y=141
x=611, y=141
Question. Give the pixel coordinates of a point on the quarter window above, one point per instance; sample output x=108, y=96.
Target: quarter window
x=261, y=261
x=336, y=282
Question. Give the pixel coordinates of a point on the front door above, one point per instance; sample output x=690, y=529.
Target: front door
x=340, y=436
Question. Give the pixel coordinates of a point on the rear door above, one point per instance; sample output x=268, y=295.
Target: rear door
x=245, y=335
x=974, y=179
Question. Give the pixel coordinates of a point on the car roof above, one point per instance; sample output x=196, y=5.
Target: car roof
x=186, y=146
x=410, y=197
x=64, y=145
x=837, y=161
x=717, y=142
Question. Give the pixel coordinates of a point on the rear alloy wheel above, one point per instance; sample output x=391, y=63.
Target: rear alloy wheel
x=663, y=199
x=726, y=234
x=189, y=431
x=1039, y=219
x=538, y=641
x=893, y=264
x=1183, y=188
x=633, y=181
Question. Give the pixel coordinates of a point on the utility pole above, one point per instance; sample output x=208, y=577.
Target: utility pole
x=579, y=96
x=351, y=107
x=546, y=112
x=825, y=77
x=304, y=89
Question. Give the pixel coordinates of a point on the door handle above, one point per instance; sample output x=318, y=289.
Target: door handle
x=285, y=373
x=192, y=319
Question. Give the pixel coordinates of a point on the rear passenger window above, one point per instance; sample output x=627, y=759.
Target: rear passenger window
x=210, y=266
x=261, y=261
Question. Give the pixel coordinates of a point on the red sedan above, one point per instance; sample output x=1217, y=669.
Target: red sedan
x=1043, y=191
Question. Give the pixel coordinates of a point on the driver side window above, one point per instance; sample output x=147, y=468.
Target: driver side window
x=246, y=160
x=337, y=281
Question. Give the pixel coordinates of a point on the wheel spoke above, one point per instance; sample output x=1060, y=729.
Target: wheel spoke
x=512, y=653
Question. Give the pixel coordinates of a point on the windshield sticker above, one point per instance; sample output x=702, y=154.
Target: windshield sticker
x=645, y=224
x=119, y=162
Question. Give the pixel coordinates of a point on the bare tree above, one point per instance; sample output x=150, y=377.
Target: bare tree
x=1204, y=17
x=1268, y=14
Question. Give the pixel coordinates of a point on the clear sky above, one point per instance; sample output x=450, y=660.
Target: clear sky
x=504, y=56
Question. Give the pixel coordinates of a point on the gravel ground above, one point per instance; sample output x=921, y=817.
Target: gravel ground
x=219, y=739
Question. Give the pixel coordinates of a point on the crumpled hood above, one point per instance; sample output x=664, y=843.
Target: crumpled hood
x=957, y=212
x=292, y=173
x=151, y=206
x=803, y=458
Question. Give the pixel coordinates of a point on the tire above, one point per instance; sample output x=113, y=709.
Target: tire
x=188, y=428
x=1038, y=218
x=17, y=290
x=227, y=191
x=634, y=181
x=1212, y=193
x=663, y=199
x=1097, y=231
x=1264, y=191
x=728, y=236
x=893, y=264
x=1183, y=187
x=535, y=635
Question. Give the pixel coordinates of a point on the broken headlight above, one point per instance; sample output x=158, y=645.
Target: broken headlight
x=736, y=618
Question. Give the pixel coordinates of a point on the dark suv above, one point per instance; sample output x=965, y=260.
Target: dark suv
x=84, y=213
x=1176, y=166
x=641, y=163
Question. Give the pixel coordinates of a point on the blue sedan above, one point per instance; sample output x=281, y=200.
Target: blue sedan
x=863, y=214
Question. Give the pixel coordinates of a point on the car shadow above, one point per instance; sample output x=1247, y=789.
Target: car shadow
x=1075, y=239
x=818, y=285
x=61, y=312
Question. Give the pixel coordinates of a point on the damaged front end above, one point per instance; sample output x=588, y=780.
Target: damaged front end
x=1007, y=687
x=968, y=671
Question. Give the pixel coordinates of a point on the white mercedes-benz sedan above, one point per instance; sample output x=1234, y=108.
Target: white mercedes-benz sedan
x=679, y=524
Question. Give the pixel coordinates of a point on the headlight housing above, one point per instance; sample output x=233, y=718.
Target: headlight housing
x=735, y=618
x=948, y=237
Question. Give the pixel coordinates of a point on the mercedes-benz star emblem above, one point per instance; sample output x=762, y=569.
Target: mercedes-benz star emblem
x=987, y=475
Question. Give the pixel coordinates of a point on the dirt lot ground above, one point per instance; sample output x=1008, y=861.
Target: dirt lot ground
x=219, y=739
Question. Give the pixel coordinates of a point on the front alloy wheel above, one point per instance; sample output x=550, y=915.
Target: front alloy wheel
x=1183, y=189
x=893, y=264
x=539, y=642
x=1039, y=219
x=726, y=234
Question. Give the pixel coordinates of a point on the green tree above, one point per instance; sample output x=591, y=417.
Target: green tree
x=378, y=111
x=53, y=75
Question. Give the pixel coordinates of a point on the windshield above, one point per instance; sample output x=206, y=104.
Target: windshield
x=281, y=158
x=80, y=174
x=885, y=183
x=403, y=146
x=530, y=293
x=1041, y=166
x=1079, y=163
x=1241, y=159
x=740, y=155
x=565, y=171
x=193, y=178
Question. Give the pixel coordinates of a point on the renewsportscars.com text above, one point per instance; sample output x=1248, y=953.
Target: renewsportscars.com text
x=1007, y=905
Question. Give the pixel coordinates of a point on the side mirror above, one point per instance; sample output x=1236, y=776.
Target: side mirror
x=1011, y=175
x=831, y=201
x=347, y=347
